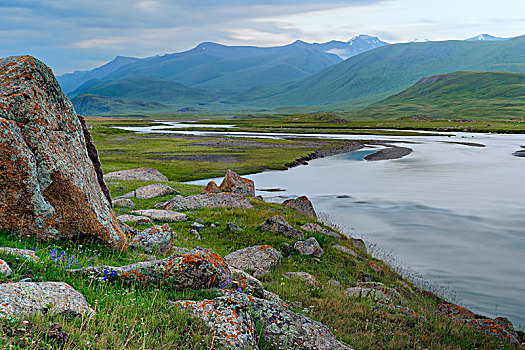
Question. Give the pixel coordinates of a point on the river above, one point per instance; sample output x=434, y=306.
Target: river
x=451, y=213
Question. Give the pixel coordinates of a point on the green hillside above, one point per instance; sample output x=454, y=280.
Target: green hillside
x=457, y=95
x=94, y=105
x=379, y=73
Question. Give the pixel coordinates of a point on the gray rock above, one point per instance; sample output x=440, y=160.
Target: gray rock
x=304, y=276
x=218, y=200
x=259, y=257
x=126, y=195
x=234, y=315
x=139, y=174
x=124, y=202
x=25, y=280
x=302, y=205
x=197, y=225
x=334, y=283
x=308, y=247
x=233, y=227
x=316, y=228
x=346, y=250
x=144, y=221
x=235, y=184
x=133, y=218
x=196, y=234
x=278, y=224
x=17, y=299
x=155, y=239
x=24, y=253
x=5, y=269
x=245, y=280
x=162, y=215
x=197, y=269
x=49, y=184
x=154, y=190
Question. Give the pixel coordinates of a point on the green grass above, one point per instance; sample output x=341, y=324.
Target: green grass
x=139, y=317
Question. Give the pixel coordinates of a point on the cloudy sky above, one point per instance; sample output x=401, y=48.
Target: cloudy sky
x=82, y=34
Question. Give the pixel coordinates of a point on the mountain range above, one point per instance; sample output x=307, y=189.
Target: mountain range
x=216, y=77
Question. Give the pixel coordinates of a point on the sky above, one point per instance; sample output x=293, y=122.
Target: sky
x=82, y=34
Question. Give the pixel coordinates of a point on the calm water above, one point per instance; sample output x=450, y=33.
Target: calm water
x=451, y=212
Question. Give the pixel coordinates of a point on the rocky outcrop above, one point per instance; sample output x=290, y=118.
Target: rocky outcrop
x=211, y=187
x=256, y=258
x=138, y=174
x=197, y=269
x=308, y=247
x=302, y=205
x=162, y=215
x=48, y=184
x=279, y=225
x=234, y=315
x=235, y=184
x=499, y=327
x=152, y=191
x=155, y=239
x=219, y=200
x=26, y=298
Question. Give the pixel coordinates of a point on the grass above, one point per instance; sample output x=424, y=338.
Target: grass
x=139, y=317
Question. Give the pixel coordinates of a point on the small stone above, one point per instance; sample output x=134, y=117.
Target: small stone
x=124, y=203
x=346, y=250
x=162, y=215
x=139, y=174
x=308, y=247
x=302, y=205
x=278, y=224
x=213, y=225
x=212, y=187
x=5, y=269
x=259, y=257
x=304, y=276
x=361, y=292
x=316, y=228
x=197, y=225
x=155, y=190
x=334, y=283
x=233, y=227
x=235, y=184
x=27, y=279
x=194, y=232
x=155, y=239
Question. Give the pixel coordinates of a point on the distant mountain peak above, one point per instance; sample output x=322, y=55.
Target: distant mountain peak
x=363, y=37
x=420, y=41
x=485, y=37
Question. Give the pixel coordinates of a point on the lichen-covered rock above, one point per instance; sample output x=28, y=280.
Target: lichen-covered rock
x=212, y=187
x=316, y=228
x=346, y=250
x=245, y=280
x=218, y=200
x=304, y=276
x=24, y=253
x=152, y=191
x=128, y=230
x=259, y=257
x=5, y=269
x=278, y=224
x=162, y=215
x=302, y=205
x=124, y=202
x=155, y=239
x=376, y=291
x=197, y=269
x=358, y=243
x=235, y=184
x=309, y=247
x=138, y=174
x=25, y=298
x=454, y=311
x=138, y=219
x=48, y=184
x=234, y=328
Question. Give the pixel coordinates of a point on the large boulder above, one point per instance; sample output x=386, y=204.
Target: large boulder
x=138, y=174
x=217, y=200
x=152, y=191
x=24, y=298
x=302, y=205
x=234, y=315
x=197, y=269
x=278, y=224
x=235, y=184
x=256, y=258
x=49, y=187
